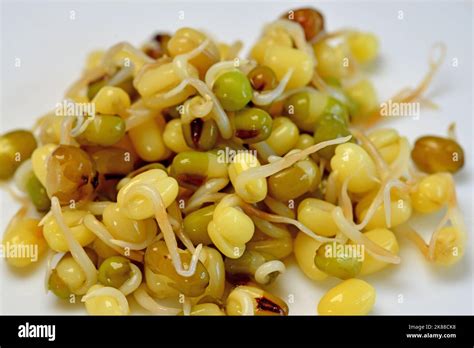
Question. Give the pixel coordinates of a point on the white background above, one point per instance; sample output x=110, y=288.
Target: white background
x=52, y=49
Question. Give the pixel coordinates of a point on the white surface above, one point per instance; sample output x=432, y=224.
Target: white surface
x=52, y=48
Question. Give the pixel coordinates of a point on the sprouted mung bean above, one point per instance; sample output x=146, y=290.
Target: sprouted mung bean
x=137, y=200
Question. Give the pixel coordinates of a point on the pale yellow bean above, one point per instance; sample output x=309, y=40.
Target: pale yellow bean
x=39, y=158
x=305, y=248
x=174, y=138
x=316, y=215
x=147, y=139
x=281, y=59
x=74, y=220
x=387, y=240
x=351, y=297
x=284, y=136
x=23, y=242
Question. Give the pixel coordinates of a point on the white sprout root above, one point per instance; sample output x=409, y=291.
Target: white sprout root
x=389, y=174
x=197, y=107
x=161, y=217
x=251, y=210
x=180, y=62
x=218, y=113
x=278, y=207
x=264, y=272
x=345, y=201
x=77, y=251
x=356, y=236
x=287, y=161
x=132, y=284
x=207, y=193
x=244, y=301
x=452, y=215
x=147, y=302
x=176, y=221
x=267, y=97
x=220, y=68
x=109, y=59
x=52, y=262
x=408, y=95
